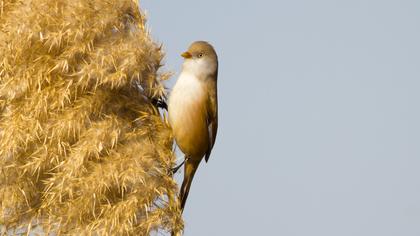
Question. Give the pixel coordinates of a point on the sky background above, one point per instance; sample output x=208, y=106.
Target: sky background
x=319, y=115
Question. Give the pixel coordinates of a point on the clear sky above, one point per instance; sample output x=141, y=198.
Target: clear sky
x=319, y=103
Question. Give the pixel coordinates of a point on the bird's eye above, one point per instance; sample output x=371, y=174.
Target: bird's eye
x=200, y=55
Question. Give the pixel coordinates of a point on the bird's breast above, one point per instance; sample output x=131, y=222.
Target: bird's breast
x=188, y=114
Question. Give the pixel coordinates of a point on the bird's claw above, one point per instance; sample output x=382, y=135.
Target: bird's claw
x=176, y=168
x=160, y=103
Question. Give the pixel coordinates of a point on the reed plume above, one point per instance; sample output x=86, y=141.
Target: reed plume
x=82, y=148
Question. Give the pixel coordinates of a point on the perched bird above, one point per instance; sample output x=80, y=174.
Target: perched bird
x=193, y=109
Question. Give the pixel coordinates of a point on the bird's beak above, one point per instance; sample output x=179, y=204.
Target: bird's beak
x=186, y=55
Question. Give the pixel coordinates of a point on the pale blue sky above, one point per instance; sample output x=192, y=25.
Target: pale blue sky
x=319, y=115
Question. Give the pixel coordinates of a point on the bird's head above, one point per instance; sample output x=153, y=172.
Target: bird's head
x=200, y=59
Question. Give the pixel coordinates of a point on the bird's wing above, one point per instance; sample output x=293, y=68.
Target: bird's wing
x=212, y=119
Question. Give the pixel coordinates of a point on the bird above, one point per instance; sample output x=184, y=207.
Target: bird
x=192, y=110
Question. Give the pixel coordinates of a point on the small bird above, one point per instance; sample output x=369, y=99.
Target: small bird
x=193, y=109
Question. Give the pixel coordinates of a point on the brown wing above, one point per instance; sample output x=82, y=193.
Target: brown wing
x=212, y=117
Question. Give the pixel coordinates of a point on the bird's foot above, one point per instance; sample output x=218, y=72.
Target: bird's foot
x=160, y=103
x=175, y=169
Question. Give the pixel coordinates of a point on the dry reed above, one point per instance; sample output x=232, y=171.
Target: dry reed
x=82, y=149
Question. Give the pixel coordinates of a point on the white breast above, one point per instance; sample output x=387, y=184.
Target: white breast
x=187, y=91
x=187, y=115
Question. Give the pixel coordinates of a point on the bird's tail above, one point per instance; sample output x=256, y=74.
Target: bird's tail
x=190, y=168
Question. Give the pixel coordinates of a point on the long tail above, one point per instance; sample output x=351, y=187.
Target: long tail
x=189, y=170
x=190, y=167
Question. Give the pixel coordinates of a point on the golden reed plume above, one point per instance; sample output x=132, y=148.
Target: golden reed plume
x=83, y=151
